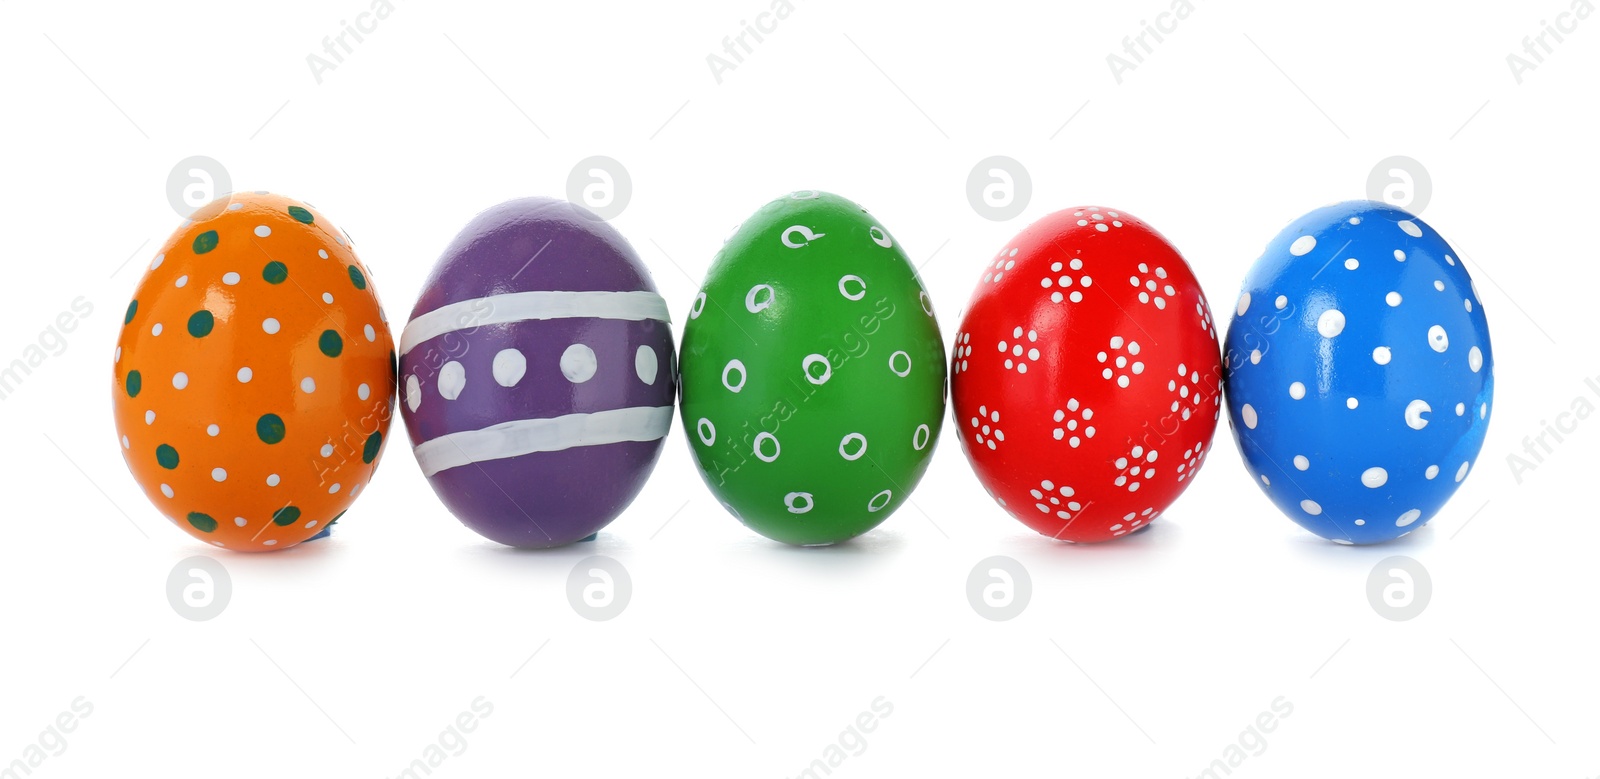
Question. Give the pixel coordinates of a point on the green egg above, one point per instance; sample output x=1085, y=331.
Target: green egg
x=812, y=372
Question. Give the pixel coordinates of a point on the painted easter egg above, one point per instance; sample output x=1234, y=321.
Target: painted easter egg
x=254, y=374
x=1360, y=375
x=537, y=374
x=813, y=372
x=1085, y=379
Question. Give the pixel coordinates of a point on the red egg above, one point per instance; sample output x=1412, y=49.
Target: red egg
x=1086, y=381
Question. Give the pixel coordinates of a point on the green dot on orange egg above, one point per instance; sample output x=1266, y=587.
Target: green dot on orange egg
x=300, y=214
x=285, y=516
x=202, y=522
x=270, y=428
x=275, y=272
x=357, y=278
x=200, y=323
x=167, y=456
x=205, y=242
x=330, y=343
x=369, y=452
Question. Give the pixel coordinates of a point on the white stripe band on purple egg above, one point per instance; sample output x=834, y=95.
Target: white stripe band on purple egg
x=526, y=436
x=524, y=306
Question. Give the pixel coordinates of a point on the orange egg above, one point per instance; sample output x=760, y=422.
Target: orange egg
x=254, y=375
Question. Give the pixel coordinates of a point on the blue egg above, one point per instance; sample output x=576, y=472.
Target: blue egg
x=1358, y=372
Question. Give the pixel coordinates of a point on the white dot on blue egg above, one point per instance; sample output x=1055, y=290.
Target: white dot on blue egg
x=1438, y=339
x=1331, y=323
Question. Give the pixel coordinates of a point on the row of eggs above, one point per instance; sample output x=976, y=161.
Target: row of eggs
x=256, y=374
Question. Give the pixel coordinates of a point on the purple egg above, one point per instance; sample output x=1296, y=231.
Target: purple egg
x=537, y=374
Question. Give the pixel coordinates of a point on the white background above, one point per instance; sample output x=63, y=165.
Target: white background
x=737, y=656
